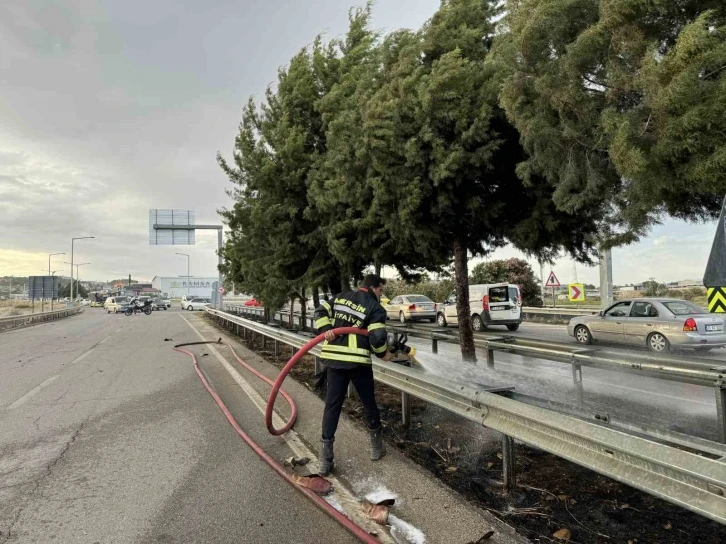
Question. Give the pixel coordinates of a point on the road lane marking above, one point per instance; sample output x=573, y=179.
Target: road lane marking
x=102, y=341
x=350, y=503
x=30, y=394
x=81, y=357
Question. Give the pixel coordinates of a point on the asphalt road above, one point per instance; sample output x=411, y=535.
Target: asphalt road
x=683, y=408
x=107, y=435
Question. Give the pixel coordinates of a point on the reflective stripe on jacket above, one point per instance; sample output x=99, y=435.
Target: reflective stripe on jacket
x=359, y=309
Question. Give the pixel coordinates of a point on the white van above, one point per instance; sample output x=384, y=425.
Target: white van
x=116, y=304
x=495, y=304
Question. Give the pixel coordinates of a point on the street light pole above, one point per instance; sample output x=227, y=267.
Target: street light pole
x=71, y=263
x=188, y=259
x=77, y=274
x=49, y=256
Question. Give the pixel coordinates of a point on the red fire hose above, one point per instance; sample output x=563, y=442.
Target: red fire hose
x=286, y=370
x=342, y=519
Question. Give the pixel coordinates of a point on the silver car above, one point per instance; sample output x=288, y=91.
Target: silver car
x=657, y=323
x=411, y=308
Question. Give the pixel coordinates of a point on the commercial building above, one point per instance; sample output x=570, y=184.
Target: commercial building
x=176, y=286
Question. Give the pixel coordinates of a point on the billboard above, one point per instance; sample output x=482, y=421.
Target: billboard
x=171, y=227
x=43, y=287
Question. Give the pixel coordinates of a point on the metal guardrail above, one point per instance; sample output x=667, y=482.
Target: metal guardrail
x=15, y=321
x=692, y=481
x=574, y=312
x=702, y=372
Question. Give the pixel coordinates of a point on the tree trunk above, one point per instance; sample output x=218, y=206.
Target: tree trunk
x=463, y=312
x=303, y=311
x=316, y=297
x=335, y=286
x=344, y=283
x=378, y=268
x=292, y=311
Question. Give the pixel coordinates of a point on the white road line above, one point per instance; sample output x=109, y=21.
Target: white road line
x=25, y=398
x=83, y=356
x=102, y=341
x=350, y=504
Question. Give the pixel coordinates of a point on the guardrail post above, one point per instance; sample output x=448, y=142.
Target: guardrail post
x=508, y=462
x=490, y=357
x=405, y=409
x=576, y=373
x=721, y=411
x=264, y=341
x=318, y=366
x=434, y=345
x=277, y=348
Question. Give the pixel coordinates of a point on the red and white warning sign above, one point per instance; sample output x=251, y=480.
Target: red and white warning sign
x=221, y=290
x=552, y=280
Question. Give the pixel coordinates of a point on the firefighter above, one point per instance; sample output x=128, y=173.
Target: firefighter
x=348, y=358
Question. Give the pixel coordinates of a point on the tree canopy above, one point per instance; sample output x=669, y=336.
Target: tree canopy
x=620, y=105
x=515, y=271
x=565, y=126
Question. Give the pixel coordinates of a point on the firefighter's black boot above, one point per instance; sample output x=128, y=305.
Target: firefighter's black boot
x=378, y=448
x=326, y=457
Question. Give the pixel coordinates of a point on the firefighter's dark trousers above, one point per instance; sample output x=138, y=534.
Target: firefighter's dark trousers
x=338, y=379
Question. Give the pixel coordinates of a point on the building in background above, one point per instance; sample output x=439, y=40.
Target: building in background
x=176, y=286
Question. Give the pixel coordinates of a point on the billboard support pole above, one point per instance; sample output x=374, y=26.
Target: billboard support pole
x=178, y=227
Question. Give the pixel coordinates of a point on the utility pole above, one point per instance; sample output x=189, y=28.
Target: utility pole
x=71, y=263
x=606, y=278
x=188, y=259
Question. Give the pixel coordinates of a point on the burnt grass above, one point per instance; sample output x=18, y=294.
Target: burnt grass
x=551, y=494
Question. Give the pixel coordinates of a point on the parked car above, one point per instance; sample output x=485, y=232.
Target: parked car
x=657, y=323
x=158, y=304
x=197, y=303
x=85, y=302
x=490, y=304
x=166, y=302
x=411, y=308
x=184, y=300
x=116, y=304
x=253, y=303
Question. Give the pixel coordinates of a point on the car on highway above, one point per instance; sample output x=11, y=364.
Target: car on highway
x=253, y=302
x=411, y=308
x=115, y=305
x=490, y=304
x=184, y=300
x=660, y=324
x=157, y=303
x=197, y=303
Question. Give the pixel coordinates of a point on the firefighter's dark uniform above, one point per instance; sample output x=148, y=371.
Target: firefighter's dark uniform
x=348, y=357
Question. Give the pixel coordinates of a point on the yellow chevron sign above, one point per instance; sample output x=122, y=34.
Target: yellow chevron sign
x=717, y=300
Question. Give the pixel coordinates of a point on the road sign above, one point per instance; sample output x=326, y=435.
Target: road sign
x=43, y=287
x=221, y=290
x=576, y=292
x=552, y=280
x=171, y=227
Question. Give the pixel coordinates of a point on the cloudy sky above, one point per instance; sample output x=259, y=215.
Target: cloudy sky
x=111, y=108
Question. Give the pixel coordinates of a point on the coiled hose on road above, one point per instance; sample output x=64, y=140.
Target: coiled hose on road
x=344, y=521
